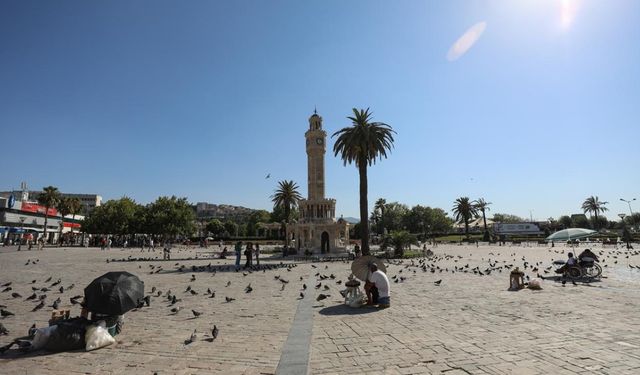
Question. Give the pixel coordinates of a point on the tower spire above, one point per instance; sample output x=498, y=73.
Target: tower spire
x=315, y=110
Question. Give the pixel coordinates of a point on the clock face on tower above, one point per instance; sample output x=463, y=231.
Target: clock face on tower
x=319, y=141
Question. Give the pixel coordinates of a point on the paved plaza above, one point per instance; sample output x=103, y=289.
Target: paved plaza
x=468, y=324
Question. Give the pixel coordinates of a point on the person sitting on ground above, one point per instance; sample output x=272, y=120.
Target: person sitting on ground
x=569, y=263
x=377, y=288
x=587, y=257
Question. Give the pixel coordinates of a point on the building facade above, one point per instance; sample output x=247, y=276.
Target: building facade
x=317, y=229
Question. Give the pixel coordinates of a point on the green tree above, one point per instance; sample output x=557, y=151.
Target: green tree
x=258, y=216
x=580, y=221
x=483, y=206
x=285, y=197
x=361, y=144
x=215, y=227
x=394, y=216
x=49, y=198
x=231, y=228
x=378, y=215
x=75, y=206
x=64, y=209
x=565, y=221
x=427, y=220
x=171, y=217
x=594, y=206
x=400, y=240
x=507, y=218
x=464, y=210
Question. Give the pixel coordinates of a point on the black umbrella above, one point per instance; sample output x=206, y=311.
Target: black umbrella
x=114, y=293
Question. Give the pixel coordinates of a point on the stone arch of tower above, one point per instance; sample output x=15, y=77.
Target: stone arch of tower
x=324, y=242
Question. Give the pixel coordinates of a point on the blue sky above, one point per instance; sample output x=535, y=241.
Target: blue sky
x=203, y=98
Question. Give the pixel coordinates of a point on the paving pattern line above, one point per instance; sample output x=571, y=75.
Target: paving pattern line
x=295, y=352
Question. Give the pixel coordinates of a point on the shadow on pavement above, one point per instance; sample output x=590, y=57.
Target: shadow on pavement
x=346, y=310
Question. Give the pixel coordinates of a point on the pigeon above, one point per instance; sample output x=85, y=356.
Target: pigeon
x=301, y=295
x=229, y=299
x=214, y=332
x=61, y=289
x=193, y=292
x=175, y=310
x=56, y=304
x=39, y=306
x=147, y=300
x=228, y=283
x=213, y=295
x=248, y=289
x=304, y=286
x=438, y=282
x=3, y=330
x=16, y=295
x=7, y=289
x=6, y=284
x=196, y=313
x=192, y=338
x=318, y=285
x=322, y=296
x=326, y=287
x=49, y=279
x=6, y=347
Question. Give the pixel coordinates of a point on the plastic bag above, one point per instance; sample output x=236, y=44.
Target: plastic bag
x=41, y=337
x=98, y=337
x=535, y=284
x=69, y=335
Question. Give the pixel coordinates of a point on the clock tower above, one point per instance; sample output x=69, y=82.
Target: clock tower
x=317, y=230
x=316, y=148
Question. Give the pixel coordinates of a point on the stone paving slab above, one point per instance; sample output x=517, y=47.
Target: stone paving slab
x=469, y=324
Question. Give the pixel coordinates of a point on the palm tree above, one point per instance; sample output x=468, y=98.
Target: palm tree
x=50, y=197
x=379, y=207
x=464, y=210
x=285, y=197
x=362, y=144
x=593, y=205
x=74, y=208
x=63, y=210
x=482, y=205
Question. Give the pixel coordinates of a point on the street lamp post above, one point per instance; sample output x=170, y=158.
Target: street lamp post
x=629, y=203
x=22, y=219
x=625, y=234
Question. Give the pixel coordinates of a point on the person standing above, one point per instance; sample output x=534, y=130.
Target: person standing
x=257, y=252
x=248, y=253
x=238, y=250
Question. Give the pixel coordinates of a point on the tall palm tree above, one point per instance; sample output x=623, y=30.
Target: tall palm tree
x=63, y=210
x=286, y=196
x=361, y=144
x=380, y=206
x=74, y=208
x=50, y=197
x=593, y=205
x=482, y=205
x=464, y=210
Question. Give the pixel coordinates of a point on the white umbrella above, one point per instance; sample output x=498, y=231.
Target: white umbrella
x=571, y=234
x=361, y=267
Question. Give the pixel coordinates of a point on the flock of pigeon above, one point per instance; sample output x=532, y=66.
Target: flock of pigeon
x=44, y=291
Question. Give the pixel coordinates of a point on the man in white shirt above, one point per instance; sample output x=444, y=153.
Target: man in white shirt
x=377, y=288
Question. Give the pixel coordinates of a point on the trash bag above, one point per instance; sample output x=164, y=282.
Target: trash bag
x=69, y=335
x=41, y=337
x=535, y=284
x=98, y=337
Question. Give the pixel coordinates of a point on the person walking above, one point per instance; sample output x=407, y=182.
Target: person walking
x=238, y=250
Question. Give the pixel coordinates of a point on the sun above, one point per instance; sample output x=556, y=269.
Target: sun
x=568, y=10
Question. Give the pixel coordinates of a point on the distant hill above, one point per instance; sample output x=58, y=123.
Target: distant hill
x=222, y=211
x=351, y=220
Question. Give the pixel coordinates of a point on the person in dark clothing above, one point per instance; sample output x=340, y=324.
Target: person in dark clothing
x=249, y=254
